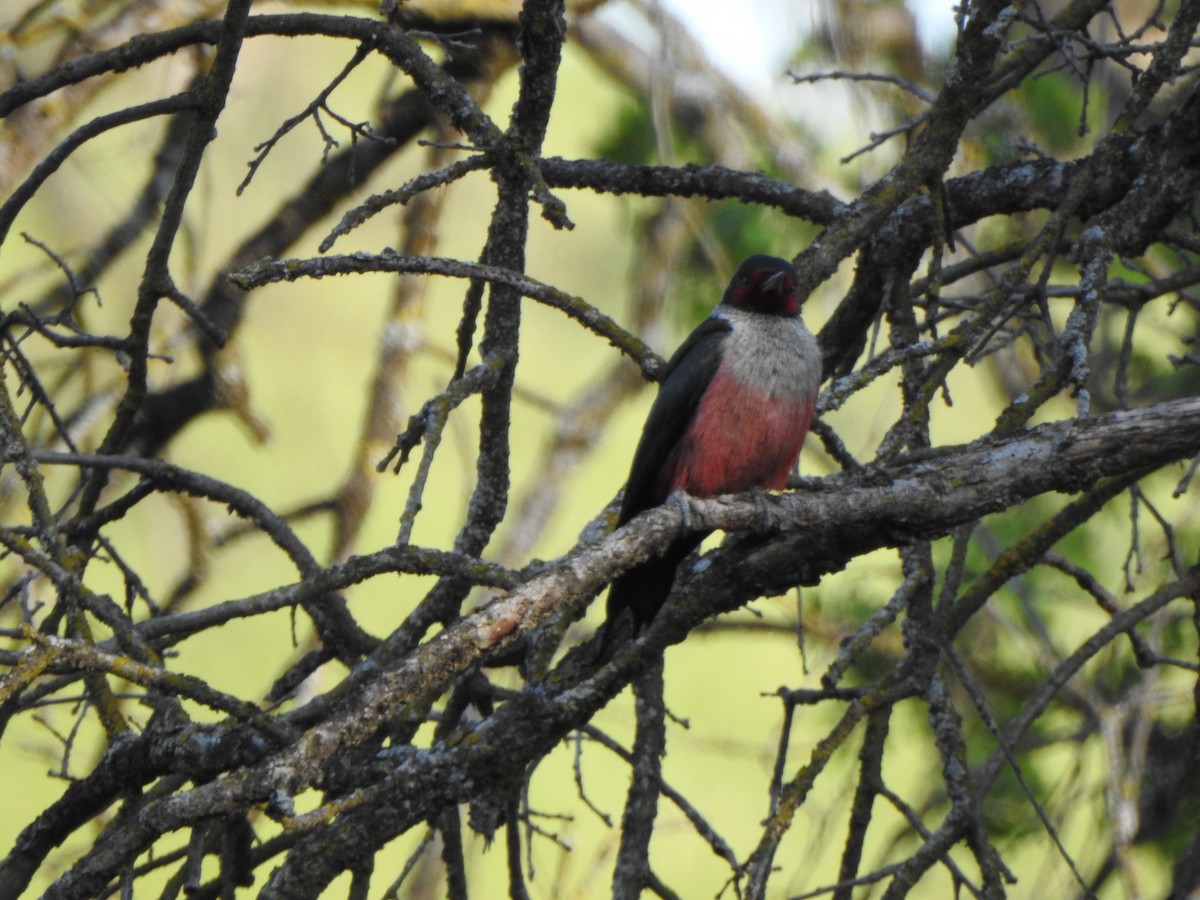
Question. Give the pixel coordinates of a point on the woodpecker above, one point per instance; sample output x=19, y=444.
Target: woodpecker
x=732, y=412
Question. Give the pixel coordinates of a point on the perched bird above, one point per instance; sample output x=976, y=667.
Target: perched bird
x=732, y=412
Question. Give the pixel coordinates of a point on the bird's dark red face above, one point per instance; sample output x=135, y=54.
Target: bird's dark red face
x=764, y=284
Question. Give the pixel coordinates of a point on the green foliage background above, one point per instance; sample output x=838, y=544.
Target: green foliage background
x=307, y=350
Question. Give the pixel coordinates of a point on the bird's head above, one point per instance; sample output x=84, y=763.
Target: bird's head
x=764, y=284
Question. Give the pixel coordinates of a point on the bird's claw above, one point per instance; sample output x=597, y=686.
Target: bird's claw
x=686, y=511
x=762, y=510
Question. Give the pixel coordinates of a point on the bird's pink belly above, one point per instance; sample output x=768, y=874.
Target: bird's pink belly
x=741, y=438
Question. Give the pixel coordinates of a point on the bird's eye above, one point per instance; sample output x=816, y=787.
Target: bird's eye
x=746, y=280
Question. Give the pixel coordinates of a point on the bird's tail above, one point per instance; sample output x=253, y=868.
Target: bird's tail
x=636, y=597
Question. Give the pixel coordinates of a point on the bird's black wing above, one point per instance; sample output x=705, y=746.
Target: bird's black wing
x=636, y=596
x=687, y=376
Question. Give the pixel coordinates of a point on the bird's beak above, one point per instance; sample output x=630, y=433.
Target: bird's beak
x=774, y=284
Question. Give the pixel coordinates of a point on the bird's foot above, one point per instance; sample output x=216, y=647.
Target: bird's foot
x=687, y=512
x=765, y=519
